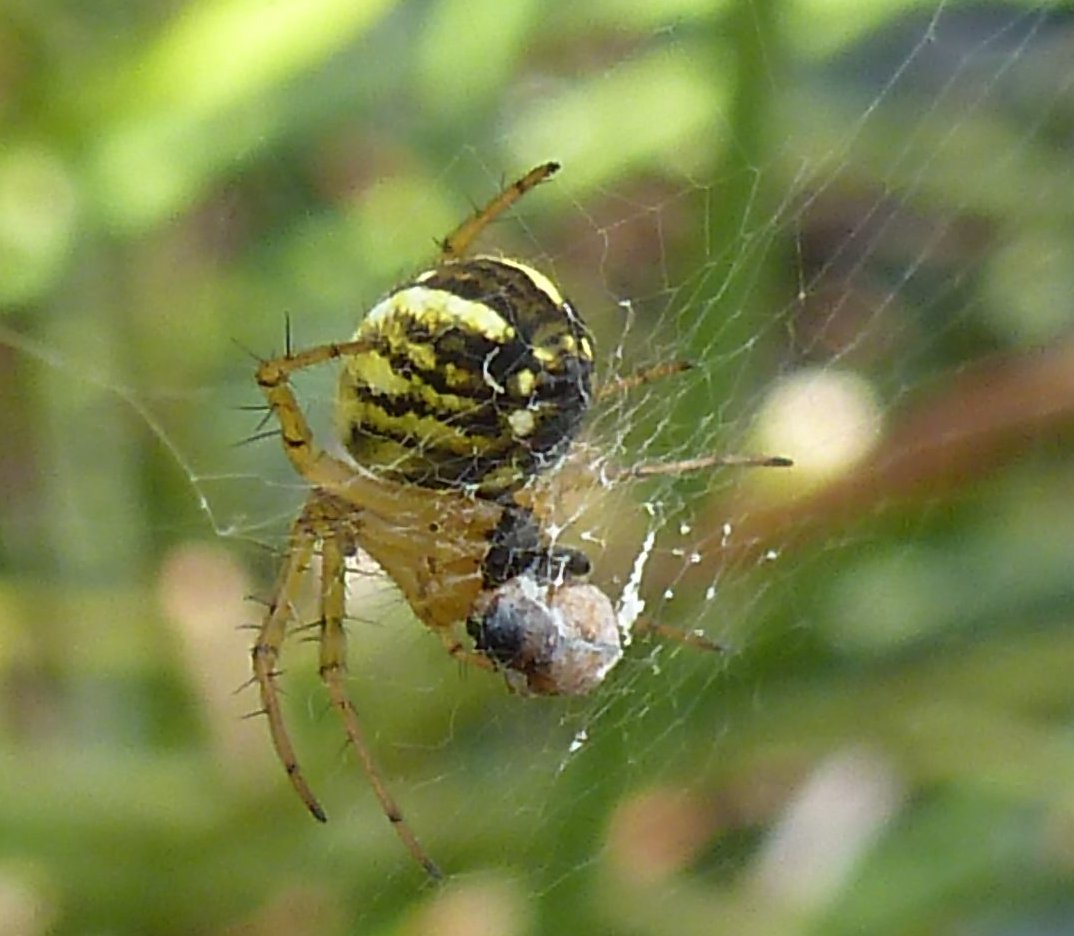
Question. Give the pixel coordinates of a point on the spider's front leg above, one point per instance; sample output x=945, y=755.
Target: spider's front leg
x=319, y=469
x=327, y=474
x=266, y=654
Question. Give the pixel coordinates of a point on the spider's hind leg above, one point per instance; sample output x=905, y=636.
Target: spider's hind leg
x=645, y=627
x=333, y=666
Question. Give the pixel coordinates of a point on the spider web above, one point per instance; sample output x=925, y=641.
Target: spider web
x=856, y=229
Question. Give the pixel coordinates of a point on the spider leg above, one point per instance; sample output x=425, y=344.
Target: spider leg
x=620, y=385
x=266, y=653
x=688, y=465
x=459, y=652
x=646, y=626
x=459, y=241
x=576, y=473
x=333, y=666
x=320, y=469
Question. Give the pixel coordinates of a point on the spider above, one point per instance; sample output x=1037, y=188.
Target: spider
x=457, y=390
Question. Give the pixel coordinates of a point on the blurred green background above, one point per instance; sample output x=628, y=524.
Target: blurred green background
x=856, y=219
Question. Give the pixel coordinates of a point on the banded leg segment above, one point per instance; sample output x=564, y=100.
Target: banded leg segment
x=333, y=668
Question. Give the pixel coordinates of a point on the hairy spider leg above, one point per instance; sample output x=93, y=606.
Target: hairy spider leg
x=321, y=470
x=459, y=241
x=704, y=462
x=575, y=472
x=468, y=657
x=617, y=386
x=333, y=666
x=336, y=478
x=266, y=654
x=333, y=476
x=621, y=385
x=647, y=626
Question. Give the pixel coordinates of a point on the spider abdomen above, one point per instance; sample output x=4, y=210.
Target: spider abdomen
x=478, y=376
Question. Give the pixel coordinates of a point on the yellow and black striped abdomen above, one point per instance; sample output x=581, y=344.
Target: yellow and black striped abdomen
x=478, y=375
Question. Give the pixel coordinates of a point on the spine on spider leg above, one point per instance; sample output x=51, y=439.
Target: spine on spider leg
x=459, y=241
